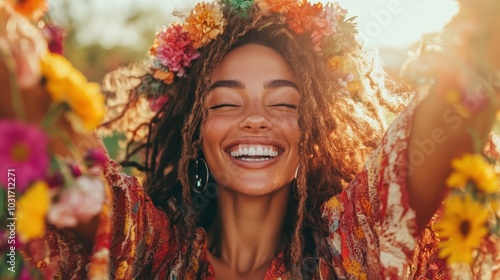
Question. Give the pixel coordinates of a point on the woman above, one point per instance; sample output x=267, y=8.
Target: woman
x=254, y=162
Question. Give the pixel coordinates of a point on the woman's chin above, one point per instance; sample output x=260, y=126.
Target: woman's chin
x=255, y=190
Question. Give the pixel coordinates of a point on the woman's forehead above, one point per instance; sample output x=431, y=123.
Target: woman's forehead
x=253, y=59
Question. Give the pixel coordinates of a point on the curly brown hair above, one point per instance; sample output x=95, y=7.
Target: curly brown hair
x=338, y=132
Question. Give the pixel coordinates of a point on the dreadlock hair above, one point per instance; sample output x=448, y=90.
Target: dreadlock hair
x=338, y=132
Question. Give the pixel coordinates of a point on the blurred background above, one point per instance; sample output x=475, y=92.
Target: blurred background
x=104, y=35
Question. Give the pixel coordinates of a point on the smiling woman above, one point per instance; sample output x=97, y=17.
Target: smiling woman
x=266, y=155
x=250, y=139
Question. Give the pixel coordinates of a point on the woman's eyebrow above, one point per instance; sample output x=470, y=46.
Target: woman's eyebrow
x=240, y=85
x=227, y=83
x=280, y=83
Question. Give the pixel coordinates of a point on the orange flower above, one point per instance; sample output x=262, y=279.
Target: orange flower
x=205, y=23
x=276, y=6
x=302, y=17
x=33, y=9
x=154, y=47
x=166, y=77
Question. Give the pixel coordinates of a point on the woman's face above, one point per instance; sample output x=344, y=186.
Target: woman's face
x=251, y=135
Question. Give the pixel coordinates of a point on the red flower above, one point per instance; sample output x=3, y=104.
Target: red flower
x=156, y=103
x=54, y=35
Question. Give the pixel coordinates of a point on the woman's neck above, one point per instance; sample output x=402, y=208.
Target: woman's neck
x=247, y=230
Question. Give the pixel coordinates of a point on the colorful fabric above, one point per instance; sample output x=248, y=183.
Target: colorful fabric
x=373, y=231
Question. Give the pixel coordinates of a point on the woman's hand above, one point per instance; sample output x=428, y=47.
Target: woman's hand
x=473, y=37
x=21, y=45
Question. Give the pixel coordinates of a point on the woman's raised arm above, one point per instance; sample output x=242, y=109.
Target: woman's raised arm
x=442, y=124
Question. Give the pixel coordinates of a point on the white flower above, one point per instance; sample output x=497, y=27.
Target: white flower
x=78, y=203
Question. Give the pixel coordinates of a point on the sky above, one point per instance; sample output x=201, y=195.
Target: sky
x=398, y=23
x=381, y=23
x=389, y=23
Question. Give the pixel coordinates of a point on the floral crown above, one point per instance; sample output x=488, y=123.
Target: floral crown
x=176, y=46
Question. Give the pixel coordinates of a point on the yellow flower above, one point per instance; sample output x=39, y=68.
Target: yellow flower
x=68, y=85
x=473, y=168
x=463, y=226
x=205, y=23
x=354, y=86
x=336, y=62
x=31, y=211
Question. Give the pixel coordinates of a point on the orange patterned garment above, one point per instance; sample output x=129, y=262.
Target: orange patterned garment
x=373, y=232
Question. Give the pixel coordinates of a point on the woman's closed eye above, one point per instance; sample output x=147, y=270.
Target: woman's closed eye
x=222, y=105
x=286, y=105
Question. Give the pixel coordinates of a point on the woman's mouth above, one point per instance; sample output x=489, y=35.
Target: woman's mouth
x=254, y=152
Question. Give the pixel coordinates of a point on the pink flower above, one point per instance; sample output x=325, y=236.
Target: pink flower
x=156, y=103
x=173, y=49
x=96, y=157
x=25, y=274
x=316, y=40
x=23, y=149
x=328, y=21
x=332, y=14
x=54, y=35
x=78, y=203
x=75, y=169
x=323, y=26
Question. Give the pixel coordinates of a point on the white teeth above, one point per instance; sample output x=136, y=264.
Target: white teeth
x=253, y=159
x=264, y=151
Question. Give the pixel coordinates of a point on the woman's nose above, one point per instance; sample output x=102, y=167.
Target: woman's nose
x=256, y=119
